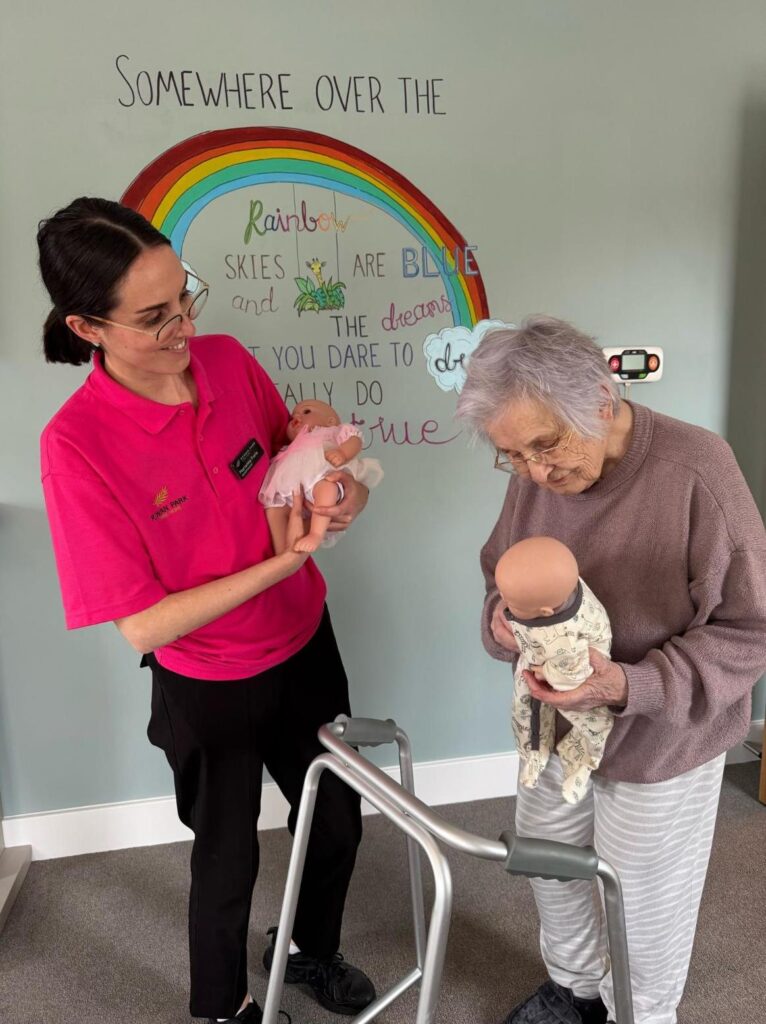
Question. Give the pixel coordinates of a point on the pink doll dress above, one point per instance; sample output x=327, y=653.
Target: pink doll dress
x=302, y=463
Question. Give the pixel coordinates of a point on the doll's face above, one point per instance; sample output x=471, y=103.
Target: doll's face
x=311, y=414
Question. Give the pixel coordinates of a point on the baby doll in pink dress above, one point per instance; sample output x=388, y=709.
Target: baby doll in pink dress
x=319, y=444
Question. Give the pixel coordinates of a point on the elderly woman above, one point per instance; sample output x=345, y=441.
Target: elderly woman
x=668, y=537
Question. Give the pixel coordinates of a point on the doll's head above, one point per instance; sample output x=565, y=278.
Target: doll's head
x=311, y=414
x=536, y=576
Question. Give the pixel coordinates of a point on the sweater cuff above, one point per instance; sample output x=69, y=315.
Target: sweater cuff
x=494, y=650
x=646, y=692
x=491, y=646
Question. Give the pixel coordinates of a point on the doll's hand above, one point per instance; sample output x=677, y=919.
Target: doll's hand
x=501, y=629
x=344, y=513
x=335, y=457
x=608, y=685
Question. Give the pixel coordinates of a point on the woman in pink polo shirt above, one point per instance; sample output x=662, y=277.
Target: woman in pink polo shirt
x=151, y=472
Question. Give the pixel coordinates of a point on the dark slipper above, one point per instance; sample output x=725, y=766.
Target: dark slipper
x=554, y=1004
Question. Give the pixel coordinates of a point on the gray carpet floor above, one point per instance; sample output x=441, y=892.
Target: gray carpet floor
x=101, y=939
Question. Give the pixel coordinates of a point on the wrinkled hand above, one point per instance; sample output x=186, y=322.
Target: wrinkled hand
x=501, y=630
x=608, y=685
x=354, y=500
x=335, y=457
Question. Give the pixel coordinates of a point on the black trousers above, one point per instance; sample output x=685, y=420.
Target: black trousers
x=217, y=737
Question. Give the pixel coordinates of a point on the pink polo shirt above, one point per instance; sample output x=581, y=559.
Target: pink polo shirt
x=145, y=500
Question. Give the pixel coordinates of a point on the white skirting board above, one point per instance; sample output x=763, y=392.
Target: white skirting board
x=68, y=833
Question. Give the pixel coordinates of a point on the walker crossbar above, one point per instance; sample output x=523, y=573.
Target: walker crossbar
x=531, y=857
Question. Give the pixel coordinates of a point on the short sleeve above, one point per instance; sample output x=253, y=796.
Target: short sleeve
x=346, y=431
x=104, y=569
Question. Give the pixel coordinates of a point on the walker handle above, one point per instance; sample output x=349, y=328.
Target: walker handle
x=365, y=732
x=544, y=858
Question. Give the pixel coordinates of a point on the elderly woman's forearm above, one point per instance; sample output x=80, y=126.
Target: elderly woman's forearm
x=707, y=670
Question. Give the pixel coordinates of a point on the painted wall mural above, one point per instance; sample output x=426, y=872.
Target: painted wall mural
x=330, y=260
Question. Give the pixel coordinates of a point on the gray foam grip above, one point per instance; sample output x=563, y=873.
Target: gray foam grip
x=367, y=732
x=544, y=858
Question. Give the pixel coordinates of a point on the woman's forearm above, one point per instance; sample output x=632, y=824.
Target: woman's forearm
x=178, y=614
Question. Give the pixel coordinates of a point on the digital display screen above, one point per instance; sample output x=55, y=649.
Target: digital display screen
x=633, y=363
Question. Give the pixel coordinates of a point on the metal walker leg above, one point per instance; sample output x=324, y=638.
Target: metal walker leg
x=422, y=826
x=430, y=963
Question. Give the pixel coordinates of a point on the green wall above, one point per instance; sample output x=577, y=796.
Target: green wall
x=602, y=156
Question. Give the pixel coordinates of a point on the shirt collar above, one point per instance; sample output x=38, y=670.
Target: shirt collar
x=152, y=416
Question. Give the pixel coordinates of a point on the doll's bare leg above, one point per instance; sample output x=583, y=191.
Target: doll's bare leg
x=277, y=520
x=326, y=492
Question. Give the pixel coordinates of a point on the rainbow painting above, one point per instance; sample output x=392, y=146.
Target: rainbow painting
x=175, y=187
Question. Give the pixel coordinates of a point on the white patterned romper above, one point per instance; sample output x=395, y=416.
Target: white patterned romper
x=559, y=643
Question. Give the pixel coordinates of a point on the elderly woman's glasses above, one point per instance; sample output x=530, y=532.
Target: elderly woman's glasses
x=192, y=303
x=547, y=457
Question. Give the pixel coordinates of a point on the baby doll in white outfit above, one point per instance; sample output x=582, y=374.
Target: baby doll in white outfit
x=555, y=618
x=319, y=444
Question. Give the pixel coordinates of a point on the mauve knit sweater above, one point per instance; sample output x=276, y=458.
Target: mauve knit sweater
x=672, y=544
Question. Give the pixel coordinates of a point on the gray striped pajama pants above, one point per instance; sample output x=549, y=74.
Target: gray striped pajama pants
x=658, y=837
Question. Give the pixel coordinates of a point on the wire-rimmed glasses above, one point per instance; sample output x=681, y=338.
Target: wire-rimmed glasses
x=513, y=463
x=192, y=303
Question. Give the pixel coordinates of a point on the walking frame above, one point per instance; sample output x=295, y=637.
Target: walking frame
x=534, y=858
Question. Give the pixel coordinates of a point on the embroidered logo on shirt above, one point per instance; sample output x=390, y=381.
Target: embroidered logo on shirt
x=166, y=508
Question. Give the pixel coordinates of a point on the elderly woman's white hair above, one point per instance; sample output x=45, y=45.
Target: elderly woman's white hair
x=546, y=360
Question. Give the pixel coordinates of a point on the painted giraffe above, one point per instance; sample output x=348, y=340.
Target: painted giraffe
x=315, y=266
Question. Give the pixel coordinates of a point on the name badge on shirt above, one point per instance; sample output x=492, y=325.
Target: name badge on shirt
x=246, y=459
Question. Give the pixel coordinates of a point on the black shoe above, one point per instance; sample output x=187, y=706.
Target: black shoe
x=252, y=1014
x=554, y=1004
x=337, y=985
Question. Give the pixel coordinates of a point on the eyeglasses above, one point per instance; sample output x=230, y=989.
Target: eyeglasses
x=513, y=463
x=195, y=298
